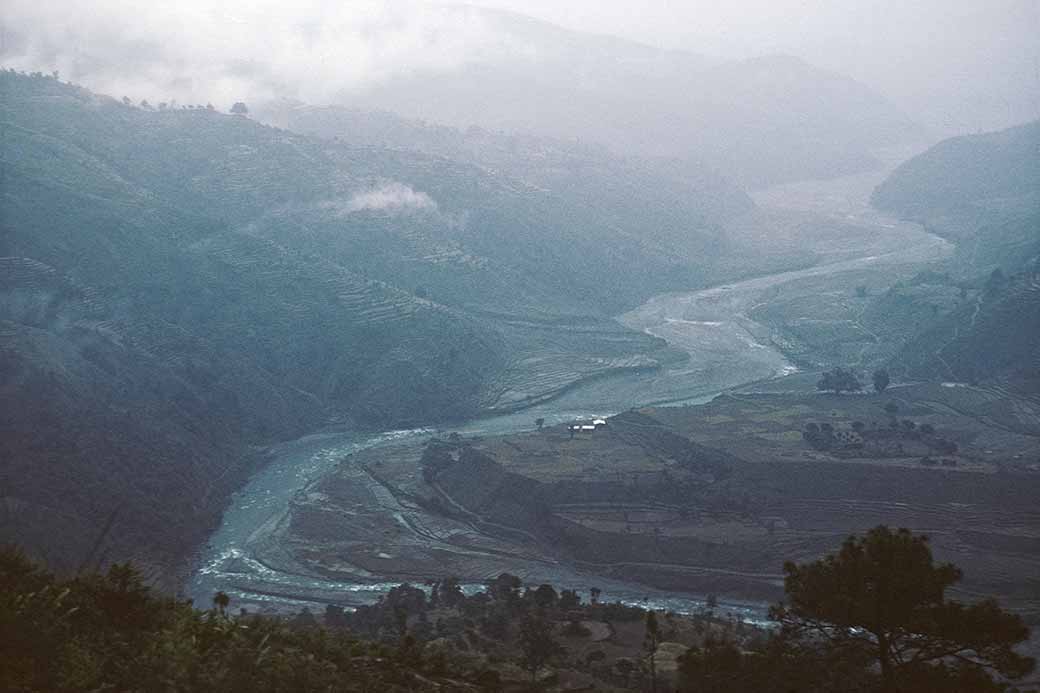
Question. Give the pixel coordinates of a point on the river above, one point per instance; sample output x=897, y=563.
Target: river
x=727, y=350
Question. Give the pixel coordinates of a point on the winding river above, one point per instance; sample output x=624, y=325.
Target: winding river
x=727, y=350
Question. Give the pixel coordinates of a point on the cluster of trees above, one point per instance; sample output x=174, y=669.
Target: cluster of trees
x=111, y=632
x=872, y=617
x=824, y=436
x=839, y=380
x=513, y=622
x=37, y=74
x=238, y=108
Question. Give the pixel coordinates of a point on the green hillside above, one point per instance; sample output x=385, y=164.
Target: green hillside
x=983, y=193
x=994, y=339
x=980, y=191
x=179, y=285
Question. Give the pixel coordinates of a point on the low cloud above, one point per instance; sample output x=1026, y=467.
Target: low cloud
x=391, y=197
x=224, y=51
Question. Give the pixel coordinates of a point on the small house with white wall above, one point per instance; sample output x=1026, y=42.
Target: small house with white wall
x=588, y=427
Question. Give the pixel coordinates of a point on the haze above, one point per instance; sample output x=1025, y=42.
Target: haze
x=513, y=346
x=955, y=67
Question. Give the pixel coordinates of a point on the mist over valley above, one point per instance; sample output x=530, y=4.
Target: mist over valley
x=456, y=347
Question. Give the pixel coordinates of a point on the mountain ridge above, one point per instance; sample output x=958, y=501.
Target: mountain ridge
x=186, y=285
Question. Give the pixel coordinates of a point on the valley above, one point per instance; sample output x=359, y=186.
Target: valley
x=337, y=518
x=403, y=346
x=166, y=269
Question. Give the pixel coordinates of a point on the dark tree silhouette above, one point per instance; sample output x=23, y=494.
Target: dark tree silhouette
x=239, y=108
x=881, y=380
x=450, y=592
x=716, y=667
x=569, y=599
x=335, y=617
x=885, y=594
x=651, y=640
x=839, y=380
x=221, y=602
x=537, y=646
x=505, y=588
x=545, y=596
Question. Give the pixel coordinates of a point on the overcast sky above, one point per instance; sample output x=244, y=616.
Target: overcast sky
x=938, y=58
x=956, y=64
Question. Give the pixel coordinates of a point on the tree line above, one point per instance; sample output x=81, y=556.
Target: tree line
x=873, y=616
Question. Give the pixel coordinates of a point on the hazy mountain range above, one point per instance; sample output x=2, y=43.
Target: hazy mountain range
x=180, y=284
x=759, y=121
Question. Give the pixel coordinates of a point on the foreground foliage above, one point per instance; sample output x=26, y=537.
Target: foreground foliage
x=884, y=595
x=110, y=632
x=871, y=618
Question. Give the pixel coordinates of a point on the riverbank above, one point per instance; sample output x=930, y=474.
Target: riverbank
x=727, y=350
x=672, y=502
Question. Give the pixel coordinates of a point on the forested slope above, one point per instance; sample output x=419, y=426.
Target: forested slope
x=983, y=193
x=179, y=285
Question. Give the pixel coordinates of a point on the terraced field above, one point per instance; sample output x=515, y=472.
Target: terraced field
x=651, y=499
x=182, y=285
x=994, y=339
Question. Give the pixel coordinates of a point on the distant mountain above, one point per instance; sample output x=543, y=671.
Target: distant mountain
x=981, y=191
x=759, y=121
x=676, y=207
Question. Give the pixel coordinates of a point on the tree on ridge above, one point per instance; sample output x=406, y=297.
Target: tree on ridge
x=884, y=593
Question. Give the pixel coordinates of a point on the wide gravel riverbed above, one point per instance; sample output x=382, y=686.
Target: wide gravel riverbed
x=727, y=350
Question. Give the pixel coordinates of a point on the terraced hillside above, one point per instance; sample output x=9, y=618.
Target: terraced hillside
x=980, y=191
x=983, y=193
x=662, y=202
x=709, y=229
x=994, y=339
x=652, y=498
x=179, y=285
x=969, y=317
